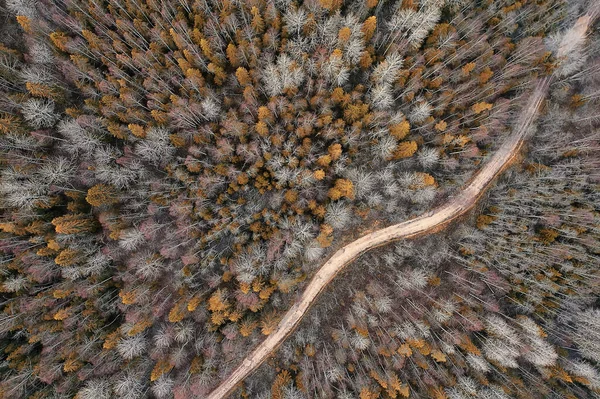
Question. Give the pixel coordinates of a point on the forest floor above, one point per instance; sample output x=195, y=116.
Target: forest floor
x=428, y=223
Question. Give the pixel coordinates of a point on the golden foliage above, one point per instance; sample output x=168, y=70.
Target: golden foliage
x=404, y=391
x=235, y=316
x=395, y=386
x=380, y=380
x=339, y=96
x=160, y=117
x=177, y=140
x=128, y=298
x=480, y=107
x=24, y=22
x=330, y=5
x=117, y=130
x=355, y=112
x=72, y=364
x=243, y=77
x=466, y=70
x=269, y=323
x=441, y=126
x=468, y=345
x=37, y=227
x=485, y=75
x=227, y=276
x=577, y=101
x=9, y=123
x=548, y=236
x=405, y=149
x=217, y=301
x=41, y=90
x=140, y=326
x=111, y=339
x=400, y=130
x=362, y=330
x=409, y=4
x=67, y=257
x=61, y=314
x=72, y=224
x=426, y=179
x=161, y=367
x=438, y=356
x=425, y=349
x=280, y=381
x=261, y=128
x=196, y=365
x=366, y=393
x=60, y=294
x=45, y=252
x=178, y=312
x=404, y=350
x=11, y=228
x=437, y=393
x=266, y=292
x=247, y=326
x=291, y=196
x=342, y=188
x=344, y=34
x=137, y=130
x=102, y=194
x=369, y=26
x=218, y=318
x=218, y=72
x=317, y=210
x=264, y=113
x=193, y=303
x=365, y=60
x=561, y=374
x=232, y=55
x=257, y=284
x=242, y=179
x=325, y=238
x=324, y=160
x=309, y=350
x=258, y=22
x=416, y=343
x=335, y=151
x=435, y=83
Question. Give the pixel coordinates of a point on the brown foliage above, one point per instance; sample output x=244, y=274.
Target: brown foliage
x=73, y=224
x=102, y=194
x=369, y=26
x=480, y=107
x=405, y=149
x=342, y=188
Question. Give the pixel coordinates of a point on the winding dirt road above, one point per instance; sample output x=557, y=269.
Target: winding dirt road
x=427, y=223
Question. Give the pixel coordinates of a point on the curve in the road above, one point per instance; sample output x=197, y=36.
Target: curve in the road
x=427, y=223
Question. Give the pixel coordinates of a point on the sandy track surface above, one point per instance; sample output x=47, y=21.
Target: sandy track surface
x=427, y=223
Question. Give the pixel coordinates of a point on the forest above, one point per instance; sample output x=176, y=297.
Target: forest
x=174, y=173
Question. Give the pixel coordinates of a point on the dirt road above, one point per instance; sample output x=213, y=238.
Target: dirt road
x=430, y=222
